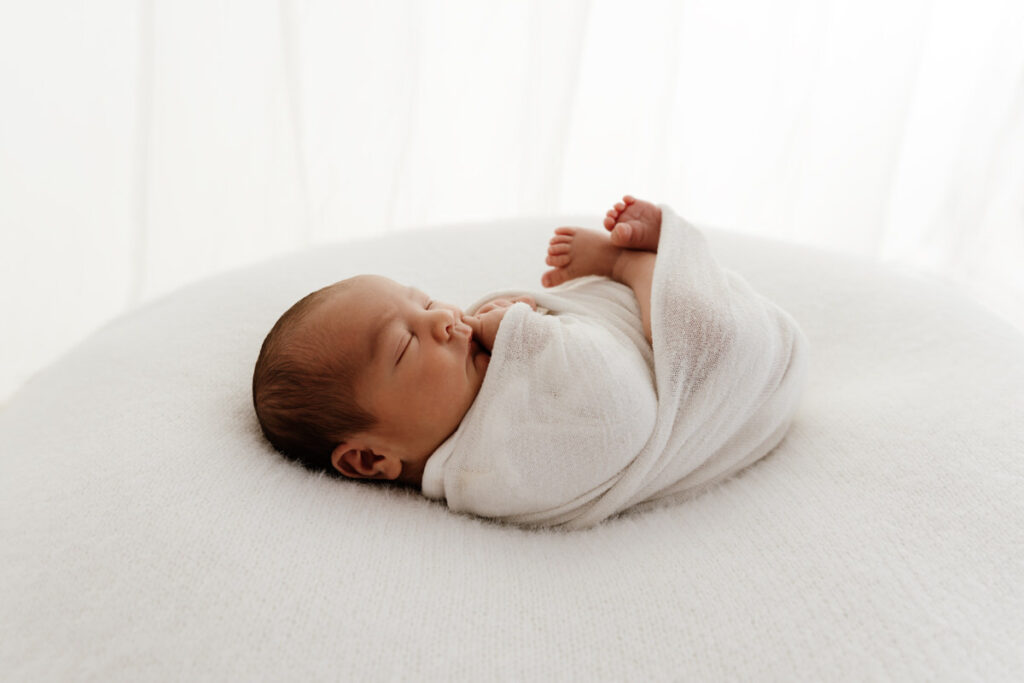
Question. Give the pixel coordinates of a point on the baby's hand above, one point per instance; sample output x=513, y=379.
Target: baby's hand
x=487, y=319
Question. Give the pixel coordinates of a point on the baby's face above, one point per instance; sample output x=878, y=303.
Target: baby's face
x=422, y=368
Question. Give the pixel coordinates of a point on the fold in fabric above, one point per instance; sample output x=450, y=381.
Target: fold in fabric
x=579, y=418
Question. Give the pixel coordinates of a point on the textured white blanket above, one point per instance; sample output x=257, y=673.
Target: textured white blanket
x=578, y=420
x=148, y=532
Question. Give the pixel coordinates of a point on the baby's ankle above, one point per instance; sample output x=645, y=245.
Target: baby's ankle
x=620, y=265
x=628, y=262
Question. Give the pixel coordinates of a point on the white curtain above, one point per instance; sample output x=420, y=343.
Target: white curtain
x=147, y=144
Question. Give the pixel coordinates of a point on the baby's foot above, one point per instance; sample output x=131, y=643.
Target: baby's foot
x=576, y=252
x=634, y=224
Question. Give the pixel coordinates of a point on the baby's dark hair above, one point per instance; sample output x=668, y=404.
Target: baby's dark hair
x=302, y=388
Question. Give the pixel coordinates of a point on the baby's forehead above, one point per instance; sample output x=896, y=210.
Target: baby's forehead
x=349, y=316
x=371, y=291
x=378, y=294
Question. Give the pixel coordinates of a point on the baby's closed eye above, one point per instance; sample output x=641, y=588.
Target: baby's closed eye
x=412, y=334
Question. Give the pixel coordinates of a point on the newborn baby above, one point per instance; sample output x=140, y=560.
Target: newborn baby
x=601, y=398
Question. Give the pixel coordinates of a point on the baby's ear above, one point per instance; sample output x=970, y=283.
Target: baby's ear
x=363, y=463
x=349, y=460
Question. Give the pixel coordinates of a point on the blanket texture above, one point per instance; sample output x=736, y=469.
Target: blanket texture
x=579, y=418
x=148, y=532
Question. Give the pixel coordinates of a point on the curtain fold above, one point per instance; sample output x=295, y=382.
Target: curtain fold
x=144, y=145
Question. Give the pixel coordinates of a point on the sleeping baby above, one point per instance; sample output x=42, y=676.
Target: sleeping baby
x=643, y=371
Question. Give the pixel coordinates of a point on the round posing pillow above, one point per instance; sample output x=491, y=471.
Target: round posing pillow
x=150, y=533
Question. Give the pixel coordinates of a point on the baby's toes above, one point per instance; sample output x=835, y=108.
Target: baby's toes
x=554, y=277
x=623, y=235
x=558, y=260
x=558, y=255
x=566, y=230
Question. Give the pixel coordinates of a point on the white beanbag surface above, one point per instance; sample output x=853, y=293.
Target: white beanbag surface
x=150, y=533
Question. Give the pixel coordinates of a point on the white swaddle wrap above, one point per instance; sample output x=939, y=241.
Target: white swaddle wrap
x=580, y=418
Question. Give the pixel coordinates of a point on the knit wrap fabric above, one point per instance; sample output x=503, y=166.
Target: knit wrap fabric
x=579, y=418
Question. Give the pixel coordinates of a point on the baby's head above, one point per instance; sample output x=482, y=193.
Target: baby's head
x=366, y=378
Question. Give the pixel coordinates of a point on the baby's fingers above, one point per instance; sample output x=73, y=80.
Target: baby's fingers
x=491, y=305
x=474, y=324
x=485, y=327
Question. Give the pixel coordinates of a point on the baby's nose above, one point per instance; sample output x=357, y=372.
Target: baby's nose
x=448, y=324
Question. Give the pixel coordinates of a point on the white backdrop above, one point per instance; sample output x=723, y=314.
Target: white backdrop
x=147, y=144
